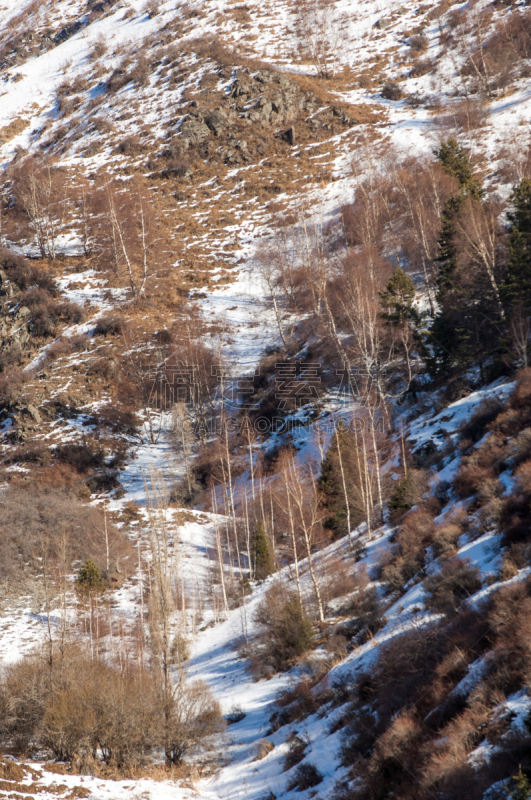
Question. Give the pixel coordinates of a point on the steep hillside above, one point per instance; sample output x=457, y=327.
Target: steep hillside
x=265, y=402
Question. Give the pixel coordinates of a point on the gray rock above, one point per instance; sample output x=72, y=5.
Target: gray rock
x=288, y=136
x=382, y=24
x=194, y=130
x=180, y=171
x=32, y=411
x=216, y=121
x=240, y=88
x=265, y=111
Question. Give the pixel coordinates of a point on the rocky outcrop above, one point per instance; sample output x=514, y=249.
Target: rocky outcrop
x=14, y=328
x=242, y=124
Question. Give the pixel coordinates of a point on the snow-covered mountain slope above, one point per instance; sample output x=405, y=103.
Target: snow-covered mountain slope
x=232, y=132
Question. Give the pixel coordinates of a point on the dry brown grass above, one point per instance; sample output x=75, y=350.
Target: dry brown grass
x=12, y=129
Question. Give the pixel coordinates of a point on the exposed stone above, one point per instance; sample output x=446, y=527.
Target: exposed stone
x=23, y=313
x=32, y=411
x=180, y=171
x=217, y=121
x=288, y=136
x=382, y=24
x=194, y=130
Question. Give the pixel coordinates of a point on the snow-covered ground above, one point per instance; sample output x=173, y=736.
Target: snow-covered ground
x=244, y=315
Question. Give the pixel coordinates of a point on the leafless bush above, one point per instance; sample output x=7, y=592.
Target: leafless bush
x=409, y=551
x=295, y=753
x=497, y=59
x=306, y=777
x=25, y=274
x=456, y=581
x=79, y=707
x=445, y=539
x=479, y=470
x=11, y=387
x=392, y=91
x=419, y=43
x=421, y=68
x=110, y=325
x=47, y=313
x=99, y=49
x=117, y=420
x=82, y=457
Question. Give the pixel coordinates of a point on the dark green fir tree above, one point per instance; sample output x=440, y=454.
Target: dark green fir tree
x=89, y=579
x=263, y=556
x=397, y=300
x=516, y=290
x=521, y=787
x=455, y=162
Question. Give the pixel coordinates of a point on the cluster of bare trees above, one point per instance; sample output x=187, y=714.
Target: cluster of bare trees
x=321, y=33
x=103, y=688
x=113, y=220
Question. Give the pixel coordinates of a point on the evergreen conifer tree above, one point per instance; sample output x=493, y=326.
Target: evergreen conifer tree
x=521, y=788
x=397, y=300
x=264, y=560
x=455, y=162
x=89, y=578
x=449, y=337
x=517, y=286
x=331, y=483
x=465, y=328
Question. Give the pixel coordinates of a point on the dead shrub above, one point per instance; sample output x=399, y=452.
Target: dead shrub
x=521, y=397
x=25, y=274
x=445, y=539
x=299, y=701
x=79, y=707
x=306, y=777
x=478, y=424
x=465, y=115
x=11, y=388
x=82, y=457
x=367, y=616
x=478, y=471
x=337, y=645
x=99, y=49
x=408, y=554
x=110, y=325
x=263, y=748
x=504, y=52
x=520, y=448
x=447, y=589
x=141, y=71
x=395, y=750
x=523, y=477
x=101, y=368
x=392, y=91
x=117, y=420
x=422, y=67
x=47, y=313
x=419, y=43
x=343, y=579
x=58, y=349
x=515, y=519
x=130, y=146
x=295, y=754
